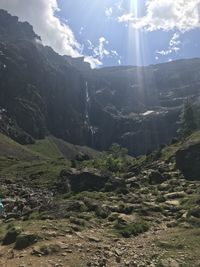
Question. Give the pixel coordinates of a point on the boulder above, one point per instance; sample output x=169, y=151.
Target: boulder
x=10, y=236
x=187, y=161
x=25, y=240
x=78, y=181
x=195, y=212
x=155, y=177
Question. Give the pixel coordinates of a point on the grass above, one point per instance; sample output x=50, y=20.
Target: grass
x=47, y=148
x=41, y=172
x=169, y=151
x=131, y=229
x=92, y=195
x=11, y=149
x=182, y=245
x=38, y=164
x=190, y=201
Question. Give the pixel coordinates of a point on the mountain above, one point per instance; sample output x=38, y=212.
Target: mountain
x=43, y=93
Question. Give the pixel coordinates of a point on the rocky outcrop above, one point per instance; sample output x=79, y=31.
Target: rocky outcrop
x=78, y=181
x=188, y=161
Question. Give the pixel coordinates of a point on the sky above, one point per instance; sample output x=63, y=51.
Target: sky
x=115, y=32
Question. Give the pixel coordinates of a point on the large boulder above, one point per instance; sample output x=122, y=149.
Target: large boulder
x=25, y=240
x=155, y=177
x=10, y=236
x=78, y=181
x=188, y=161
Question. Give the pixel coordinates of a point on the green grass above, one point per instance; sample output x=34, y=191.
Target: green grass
x=46, y=147
x=37, y=164
x=169, y=151
x=182, y=245
x=11, y=149
x=41, y=172
x=131, y=229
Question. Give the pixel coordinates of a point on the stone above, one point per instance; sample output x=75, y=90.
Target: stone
x=94, y=239
x=195, y=212
x=78, y=181
x=155, y=177
x=10, y=236
x=175, y=195
x=25, y=240
x=187, y=161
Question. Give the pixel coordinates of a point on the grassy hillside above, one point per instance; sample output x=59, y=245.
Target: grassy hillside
x=10, y=148
x=46, y=147
x=71, y=151
x=39, y=163
x=169, y=151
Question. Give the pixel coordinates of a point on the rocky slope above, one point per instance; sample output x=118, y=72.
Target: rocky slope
x=42, y=92
x=145, y=214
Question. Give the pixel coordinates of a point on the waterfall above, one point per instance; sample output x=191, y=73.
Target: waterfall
x=87, y=115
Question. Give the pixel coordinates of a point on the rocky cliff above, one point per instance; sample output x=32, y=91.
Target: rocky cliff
x=42, y=92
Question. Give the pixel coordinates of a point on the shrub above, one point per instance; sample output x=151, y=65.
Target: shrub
x=132, y=229
x=77, y=221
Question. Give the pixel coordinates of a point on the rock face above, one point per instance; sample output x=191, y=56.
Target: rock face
x=188, y=161
x=49, y=93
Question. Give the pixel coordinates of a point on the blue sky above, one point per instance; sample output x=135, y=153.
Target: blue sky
x=115, y=32
x=92, y=21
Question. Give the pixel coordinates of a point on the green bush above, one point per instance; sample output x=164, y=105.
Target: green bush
x=77, y=221
x=132, y=229
x=114, y=160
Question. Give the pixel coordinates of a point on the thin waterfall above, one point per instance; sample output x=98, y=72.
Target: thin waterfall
x=87, y=115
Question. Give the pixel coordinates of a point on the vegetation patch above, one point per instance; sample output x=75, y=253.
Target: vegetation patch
x=131, y=229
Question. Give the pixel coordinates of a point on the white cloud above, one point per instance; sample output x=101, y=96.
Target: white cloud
x=94, y=62
x=174, y=46
x=41, y=14
x=101, y=51
x=109, y=11
x=182, y=15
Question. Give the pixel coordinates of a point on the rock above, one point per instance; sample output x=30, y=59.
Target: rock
x=126, y=219
x=169, y=263
x=94, y=239
x=25, y=240
x=187, y=161
x=11, y=236
x=195, y=212
x=115, y=183
x=46, y=250
x=78, y=181
x=175, y=195
x=155, y=177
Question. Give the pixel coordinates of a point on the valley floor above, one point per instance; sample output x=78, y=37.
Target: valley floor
x=99, y=247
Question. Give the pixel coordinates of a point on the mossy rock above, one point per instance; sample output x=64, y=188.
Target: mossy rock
x=11, y=236
x=25, y=240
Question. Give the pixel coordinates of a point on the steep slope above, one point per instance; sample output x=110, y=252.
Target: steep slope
x=38, y=164
x=44, y=93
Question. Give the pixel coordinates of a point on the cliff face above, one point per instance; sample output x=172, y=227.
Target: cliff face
x=43, y=92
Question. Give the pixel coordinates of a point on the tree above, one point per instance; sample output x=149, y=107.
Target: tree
x=117, y=151
x=187, y=119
